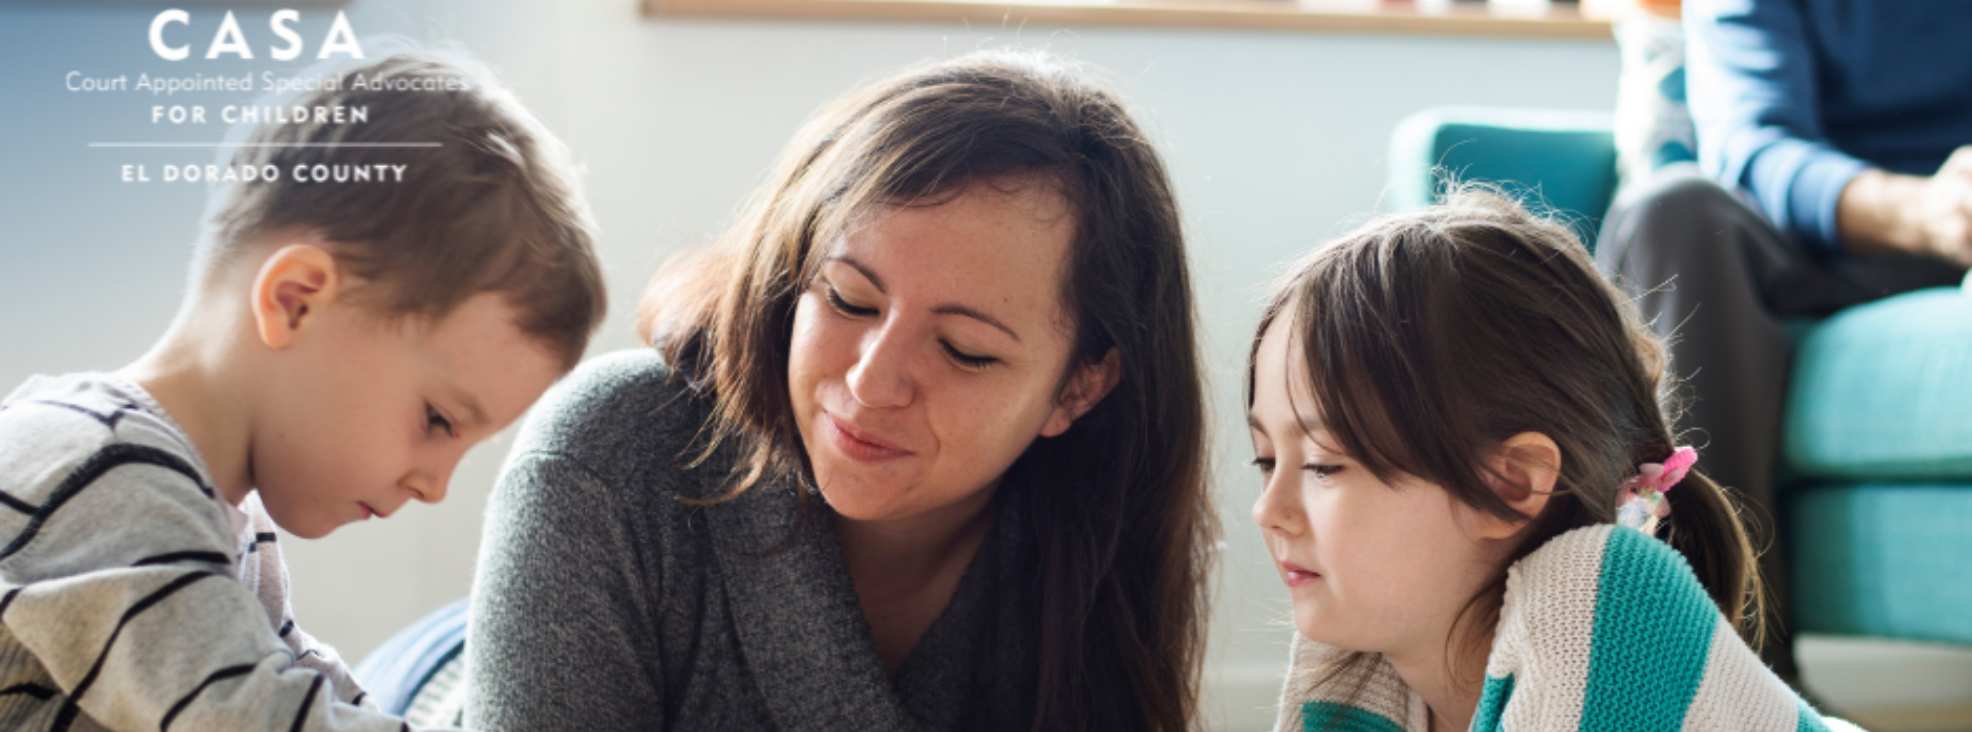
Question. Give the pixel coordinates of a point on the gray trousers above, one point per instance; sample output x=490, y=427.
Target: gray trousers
x=1717, y=280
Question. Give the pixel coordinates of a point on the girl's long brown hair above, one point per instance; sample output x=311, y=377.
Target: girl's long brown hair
x=1431, y=337
x=1121, y=522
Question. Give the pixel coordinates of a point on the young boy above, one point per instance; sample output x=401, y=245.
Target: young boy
x=340, y=348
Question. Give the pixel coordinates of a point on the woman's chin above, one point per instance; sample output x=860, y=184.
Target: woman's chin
x=857, y=501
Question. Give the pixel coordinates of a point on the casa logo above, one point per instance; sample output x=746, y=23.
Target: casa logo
x=170, y=27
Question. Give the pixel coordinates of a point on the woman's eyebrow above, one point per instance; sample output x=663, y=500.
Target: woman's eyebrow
x=868, y=274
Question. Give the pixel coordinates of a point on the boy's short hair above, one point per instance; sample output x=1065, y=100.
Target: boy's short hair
x=487, y=202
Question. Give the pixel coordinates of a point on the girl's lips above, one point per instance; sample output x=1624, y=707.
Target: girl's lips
x=859, y=445
x=1296, y=576
x=368, y=512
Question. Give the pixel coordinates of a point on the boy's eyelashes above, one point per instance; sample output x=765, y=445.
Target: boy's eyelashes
x=841, y=305
x=435, y=421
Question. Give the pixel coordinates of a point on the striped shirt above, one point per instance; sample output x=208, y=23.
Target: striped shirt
x=131, y=595
x=1602, y=629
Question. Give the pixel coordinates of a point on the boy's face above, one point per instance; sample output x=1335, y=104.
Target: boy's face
x=362, y=415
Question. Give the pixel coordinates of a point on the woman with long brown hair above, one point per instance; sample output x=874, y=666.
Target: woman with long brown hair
x=918, y=444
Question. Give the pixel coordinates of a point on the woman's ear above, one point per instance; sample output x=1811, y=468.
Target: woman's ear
x=1084, y=390
x=1522, y=472
x=293, y=284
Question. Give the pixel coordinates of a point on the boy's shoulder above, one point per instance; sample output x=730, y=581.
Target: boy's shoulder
x=89, y=455
x=51, y=424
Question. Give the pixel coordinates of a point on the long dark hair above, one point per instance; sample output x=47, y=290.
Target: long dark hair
x=1123, y=526
x=1431, y=337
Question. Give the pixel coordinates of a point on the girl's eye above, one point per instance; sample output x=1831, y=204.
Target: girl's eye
x=843, y=306
x=437, y=422
x=1322, y=470
x=1265, y=464
x=968, y=360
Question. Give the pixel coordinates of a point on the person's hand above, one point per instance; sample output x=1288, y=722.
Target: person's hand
x=1945, y=209
x=1886, y=212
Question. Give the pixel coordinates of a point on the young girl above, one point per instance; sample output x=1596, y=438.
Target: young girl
x=1478, y=506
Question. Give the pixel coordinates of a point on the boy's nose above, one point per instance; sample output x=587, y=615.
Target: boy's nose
x=426, y=486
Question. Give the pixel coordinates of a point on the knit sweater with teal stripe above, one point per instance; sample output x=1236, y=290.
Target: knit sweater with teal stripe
x=1602, y=628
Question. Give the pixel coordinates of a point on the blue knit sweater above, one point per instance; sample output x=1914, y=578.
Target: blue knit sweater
x=1792, y=98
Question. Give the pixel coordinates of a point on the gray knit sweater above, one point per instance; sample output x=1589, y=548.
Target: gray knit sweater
x=603, y=602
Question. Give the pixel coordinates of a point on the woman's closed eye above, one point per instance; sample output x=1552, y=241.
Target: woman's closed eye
x=964, y=359
x=968, y=360
x=843, y=306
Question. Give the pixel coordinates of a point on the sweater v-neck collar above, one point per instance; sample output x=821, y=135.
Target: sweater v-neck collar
x=805, y=637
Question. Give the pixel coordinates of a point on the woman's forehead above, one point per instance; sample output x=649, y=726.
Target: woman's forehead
x=994, y=249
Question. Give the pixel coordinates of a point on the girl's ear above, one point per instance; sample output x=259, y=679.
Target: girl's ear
x=1522, y=472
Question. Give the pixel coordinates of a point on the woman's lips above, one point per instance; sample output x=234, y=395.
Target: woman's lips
x=859, y=445
x=368, y=512
x=1296, y=576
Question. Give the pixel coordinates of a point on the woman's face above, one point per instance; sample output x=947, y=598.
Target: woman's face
x=930, y=351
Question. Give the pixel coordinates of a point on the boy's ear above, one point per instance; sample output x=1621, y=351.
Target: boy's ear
x=295, y=282
x=1522, y=472
x=1085, y=389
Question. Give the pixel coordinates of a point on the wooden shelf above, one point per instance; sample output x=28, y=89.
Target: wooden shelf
x=1564, y=21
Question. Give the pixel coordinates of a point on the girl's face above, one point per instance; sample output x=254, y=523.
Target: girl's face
x=1370, y=566
x=929, y=351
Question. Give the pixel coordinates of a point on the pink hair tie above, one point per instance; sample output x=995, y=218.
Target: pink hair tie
x=1640, y=502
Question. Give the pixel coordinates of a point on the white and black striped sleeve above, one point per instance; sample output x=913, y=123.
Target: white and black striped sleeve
x=122, y=584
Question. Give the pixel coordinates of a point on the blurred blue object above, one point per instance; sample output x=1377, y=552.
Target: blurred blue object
x=399, y=670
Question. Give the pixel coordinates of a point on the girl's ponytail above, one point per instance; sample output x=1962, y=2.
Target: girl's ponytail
x=1705, y=527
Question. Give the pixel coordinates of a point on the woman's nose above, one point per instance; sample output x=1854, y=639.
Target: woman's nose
x=881, y=377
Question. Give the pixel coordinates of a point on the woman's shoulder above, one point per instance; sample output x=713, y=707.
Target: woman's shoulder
x=615, y=413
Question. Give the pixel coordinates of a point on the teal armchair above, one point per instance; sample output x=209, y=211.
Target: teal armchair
x=1876, y=503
